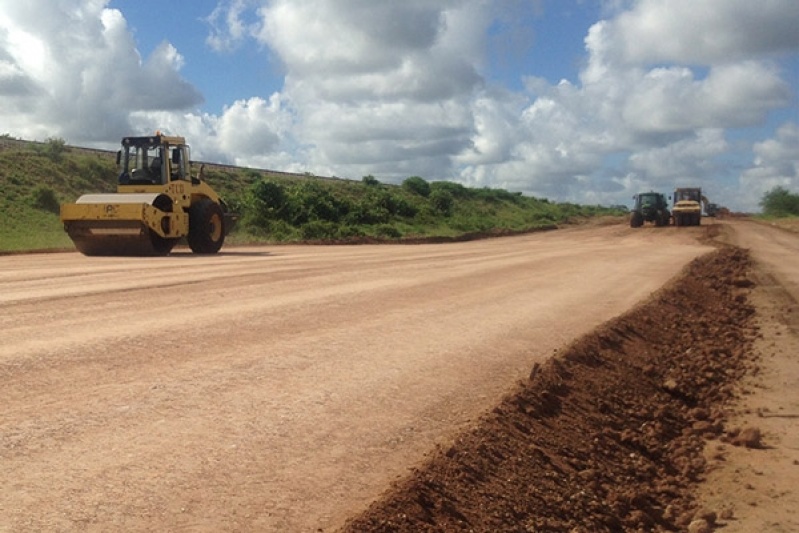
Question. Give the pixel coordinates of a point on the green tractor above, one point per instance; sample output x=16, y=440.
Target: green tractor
x=650, y=207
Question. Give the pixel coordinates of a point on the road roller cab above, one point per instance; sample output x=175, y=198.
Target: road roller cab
x=158, y=202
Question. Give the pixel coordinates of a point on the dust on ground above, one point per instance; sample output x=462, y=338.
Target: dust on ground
x=610, y=434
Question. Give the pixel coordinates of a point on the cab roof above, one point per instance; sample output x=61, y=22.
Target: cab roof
x=154, y=140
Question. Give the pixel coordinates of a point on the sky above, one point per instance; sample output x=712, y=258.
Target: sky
x=586, y=101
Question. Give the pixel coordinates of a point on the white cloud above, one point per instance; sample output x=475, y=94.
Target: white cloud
x=84, y=75
x=732, y=95
x=319, y=38
x=379, y=88
x=776, y=164
x=229, y=28
x=681, y=162
x=251, y=133
x=706, y=32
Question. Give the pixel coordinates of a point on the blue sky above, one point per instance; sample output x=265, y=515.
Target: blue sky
x=577, y=100
x=222, y=77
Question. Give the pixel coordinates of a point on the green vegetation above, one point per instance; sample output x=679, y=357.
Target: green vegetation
x=34, y=180
x=779, y=203
x=323, y=210
x=36, y=177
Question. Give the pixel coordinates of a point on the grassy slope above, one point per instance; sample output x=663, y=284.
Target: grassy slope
x=35, y=177
x=28, y=175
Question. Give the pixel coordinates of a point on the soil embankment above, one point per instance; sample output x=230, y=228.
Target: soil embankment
x=606, y=436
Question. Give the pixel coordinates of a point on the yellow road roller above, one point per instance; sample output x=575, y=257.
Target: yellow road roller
x=158, y=202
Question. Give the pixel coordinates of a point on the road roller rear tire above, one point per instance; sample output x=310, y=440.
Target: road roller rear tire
x=206, y=227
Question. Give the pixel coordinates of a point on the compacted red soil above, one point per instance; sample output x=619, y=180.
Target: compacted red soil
x=608, y=435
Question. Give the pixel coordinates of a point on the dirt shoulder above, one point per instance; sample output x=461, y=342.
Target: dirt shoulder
x=753, y=487
x=756, y=486
x=678, y=416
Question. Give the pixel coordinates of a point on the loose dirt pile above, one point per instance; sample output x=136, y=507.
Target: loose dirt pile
x=606, y=436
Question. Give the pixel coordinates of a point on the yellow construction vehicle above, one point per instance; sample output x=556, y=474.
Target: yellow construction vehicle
x=158, y=202
x=687, y=209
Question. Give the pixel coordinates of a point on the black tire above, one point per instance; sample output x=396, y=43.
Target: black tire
x=160, y=245
x=206, y=227
x=636, y=220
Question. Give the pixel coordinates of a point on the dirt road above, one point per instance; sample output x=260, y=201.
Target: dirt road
x=280, y=388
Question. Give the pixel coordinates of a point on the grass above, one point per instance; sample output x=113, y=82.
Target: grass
x=33, y=182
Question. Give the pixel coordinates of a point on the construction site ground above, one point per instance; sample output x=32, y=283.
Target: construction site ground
x=597, y=378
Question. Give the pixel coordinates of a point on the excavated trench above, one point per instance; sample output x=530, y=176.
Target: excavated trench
x=608, y=434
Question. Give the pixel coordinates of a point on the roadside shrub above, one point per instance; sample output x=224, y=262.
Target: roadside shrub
x=367, y=212
x=387, y=231
x=319, y=230
x=94, y=170
x=54, y=148
x=394, y=203
x=263, y=202
x=269, y=196
x=348, y=231
x=311, y=201
x=280, y=230
x=401, y=207
x=442, y=201
x=779, y=202
x=370, y=181
x=499, y=195
x=44, y=198
x=251, y=175
x=417, y=185
x=455, y=189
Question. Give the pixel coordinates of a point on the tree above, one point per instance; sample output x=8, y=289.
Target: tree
x=370, y=181
x=269, y=196
x=442, y=201
x=779, y=202
x=44, y=198
x=54, y=148
x=417, y=185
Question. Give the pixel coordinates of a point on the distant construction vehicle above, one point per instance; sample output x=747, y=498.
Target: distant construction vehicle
x=158, y=203
x=650, y=207
x=712, y=209
x=687, y=209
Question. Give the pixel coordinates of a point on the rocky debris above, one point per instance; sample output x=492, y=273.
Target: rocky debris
x=747, y=437
x=607, y=435
x=699, y=526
